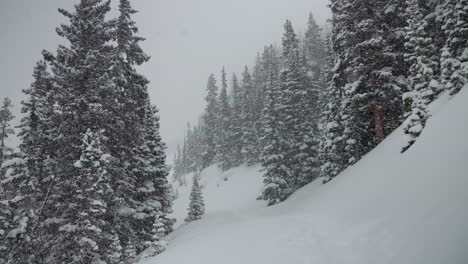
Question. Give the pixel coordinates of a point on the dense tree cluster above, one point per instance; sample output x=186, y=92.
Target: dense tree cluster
x=328, y=98
x=89, y=182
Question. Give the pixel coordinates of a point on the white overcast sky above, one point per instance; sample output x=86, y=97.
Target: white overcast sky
x=187, y=40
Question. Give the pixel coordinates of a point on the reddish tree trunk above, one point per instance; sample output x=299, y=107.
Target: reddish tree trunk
x=378, y=123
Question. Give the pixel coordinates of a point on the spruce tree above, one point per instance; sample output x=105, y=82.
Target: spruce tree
x=159, y=231
x=369, y=73
x=314, y=48
x=153, y=195
x=235, y=127
x=90, y=234
x=179, y=169
x=18, y=212
x=129, y=131
x=300, y=99
x=273, y=160
x=331, y=140
x=223, y=147
x=196, y=207
x=454, y=57
x=210, y=122
x=249, y=136
x=5, y=128
x=100, y=90
x=423, y=72
x=34, y=176
x=82, y=74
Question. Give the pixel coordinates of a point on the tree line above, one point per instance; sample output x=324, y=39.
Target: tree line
x=323, y=100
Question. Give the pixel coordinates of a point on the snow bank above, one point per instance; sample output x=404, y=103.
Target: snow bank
x=389, y=208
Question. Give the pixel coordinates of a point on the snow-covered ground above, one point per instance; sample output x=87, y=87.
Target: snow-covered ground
x=388, y=209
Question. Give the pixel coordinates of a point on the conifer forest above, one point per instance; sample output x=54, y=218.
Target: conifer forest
x=342, y=141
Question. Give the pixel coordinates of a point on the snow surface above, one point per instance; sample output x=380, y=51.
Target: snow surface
x=389, y=208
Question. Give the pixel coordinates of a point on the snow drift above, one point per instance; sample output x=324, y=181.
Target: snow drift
x=389, y=208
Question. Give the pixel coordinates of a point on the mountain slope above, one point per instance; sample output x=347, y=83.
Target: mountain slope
x=389, y=208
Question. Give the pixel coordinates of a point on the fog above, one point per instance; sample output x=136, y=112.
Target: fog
x=187, y=40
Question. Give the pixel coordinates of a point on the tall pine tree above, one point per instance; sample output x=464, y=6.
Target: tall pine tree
x=210, y=122
x=5, y=127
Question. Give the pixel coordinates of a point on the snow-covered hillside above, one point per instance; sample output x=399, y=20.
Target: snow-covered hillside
x=390, y=208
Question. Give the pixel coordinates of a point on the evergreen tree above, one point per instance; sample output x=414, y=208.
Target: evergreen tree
x=210, y=122
x=129, y=132
x=259, y=76
x=90, y=236
x=235, y=127
x=5, y=128
x=454, y=58
x=33, y=174
x=18, y=213
x=300, y=113
x=273, y=160
x=370, y=74
x=131, y=87
x=223, y=147
x=191, y=151
x=179, y=169
x=119, y=180
x=249, y=136
x=82, y=74
x=154, y=191
x=196, y=207
x=290, y=155
x=423, y=71
x=159, y=231
x=314, y=48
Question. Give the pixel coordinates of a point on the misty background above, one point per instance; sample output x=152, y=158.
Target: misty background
x=187, y=41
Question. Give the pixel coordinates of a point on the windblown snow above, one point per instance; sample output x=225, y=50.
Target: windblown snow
x=389, y=208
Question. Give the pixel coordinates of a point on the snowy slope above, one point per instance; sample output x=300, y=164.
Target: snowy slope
x=387, y=209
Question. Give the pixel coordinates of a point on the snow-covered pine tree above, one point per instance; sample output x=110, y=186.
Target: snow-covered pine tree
x=270, y=66
x=259, y=77
x=300, y=113
x=153, y=196
x=331, y=143
x=179, y=169
x=423, y=72
x=196, y=207
x=193, y=149
x=210, y=122
x=82, y=73
x=235, y=127
x=18, y=212
x=37, y=133
x=131, y=86
x=370, y=68
x=130, y=106
x=274, y=143
x=223, y=148
x=37, y=127
x=314, y=48
x=5, y=128
x=454, y=58
x=249, y=135
x=87, y=234
x=159, y=231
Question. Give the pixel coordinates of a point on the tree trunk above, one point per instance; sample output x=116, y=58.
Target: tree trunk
x=378, y=123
